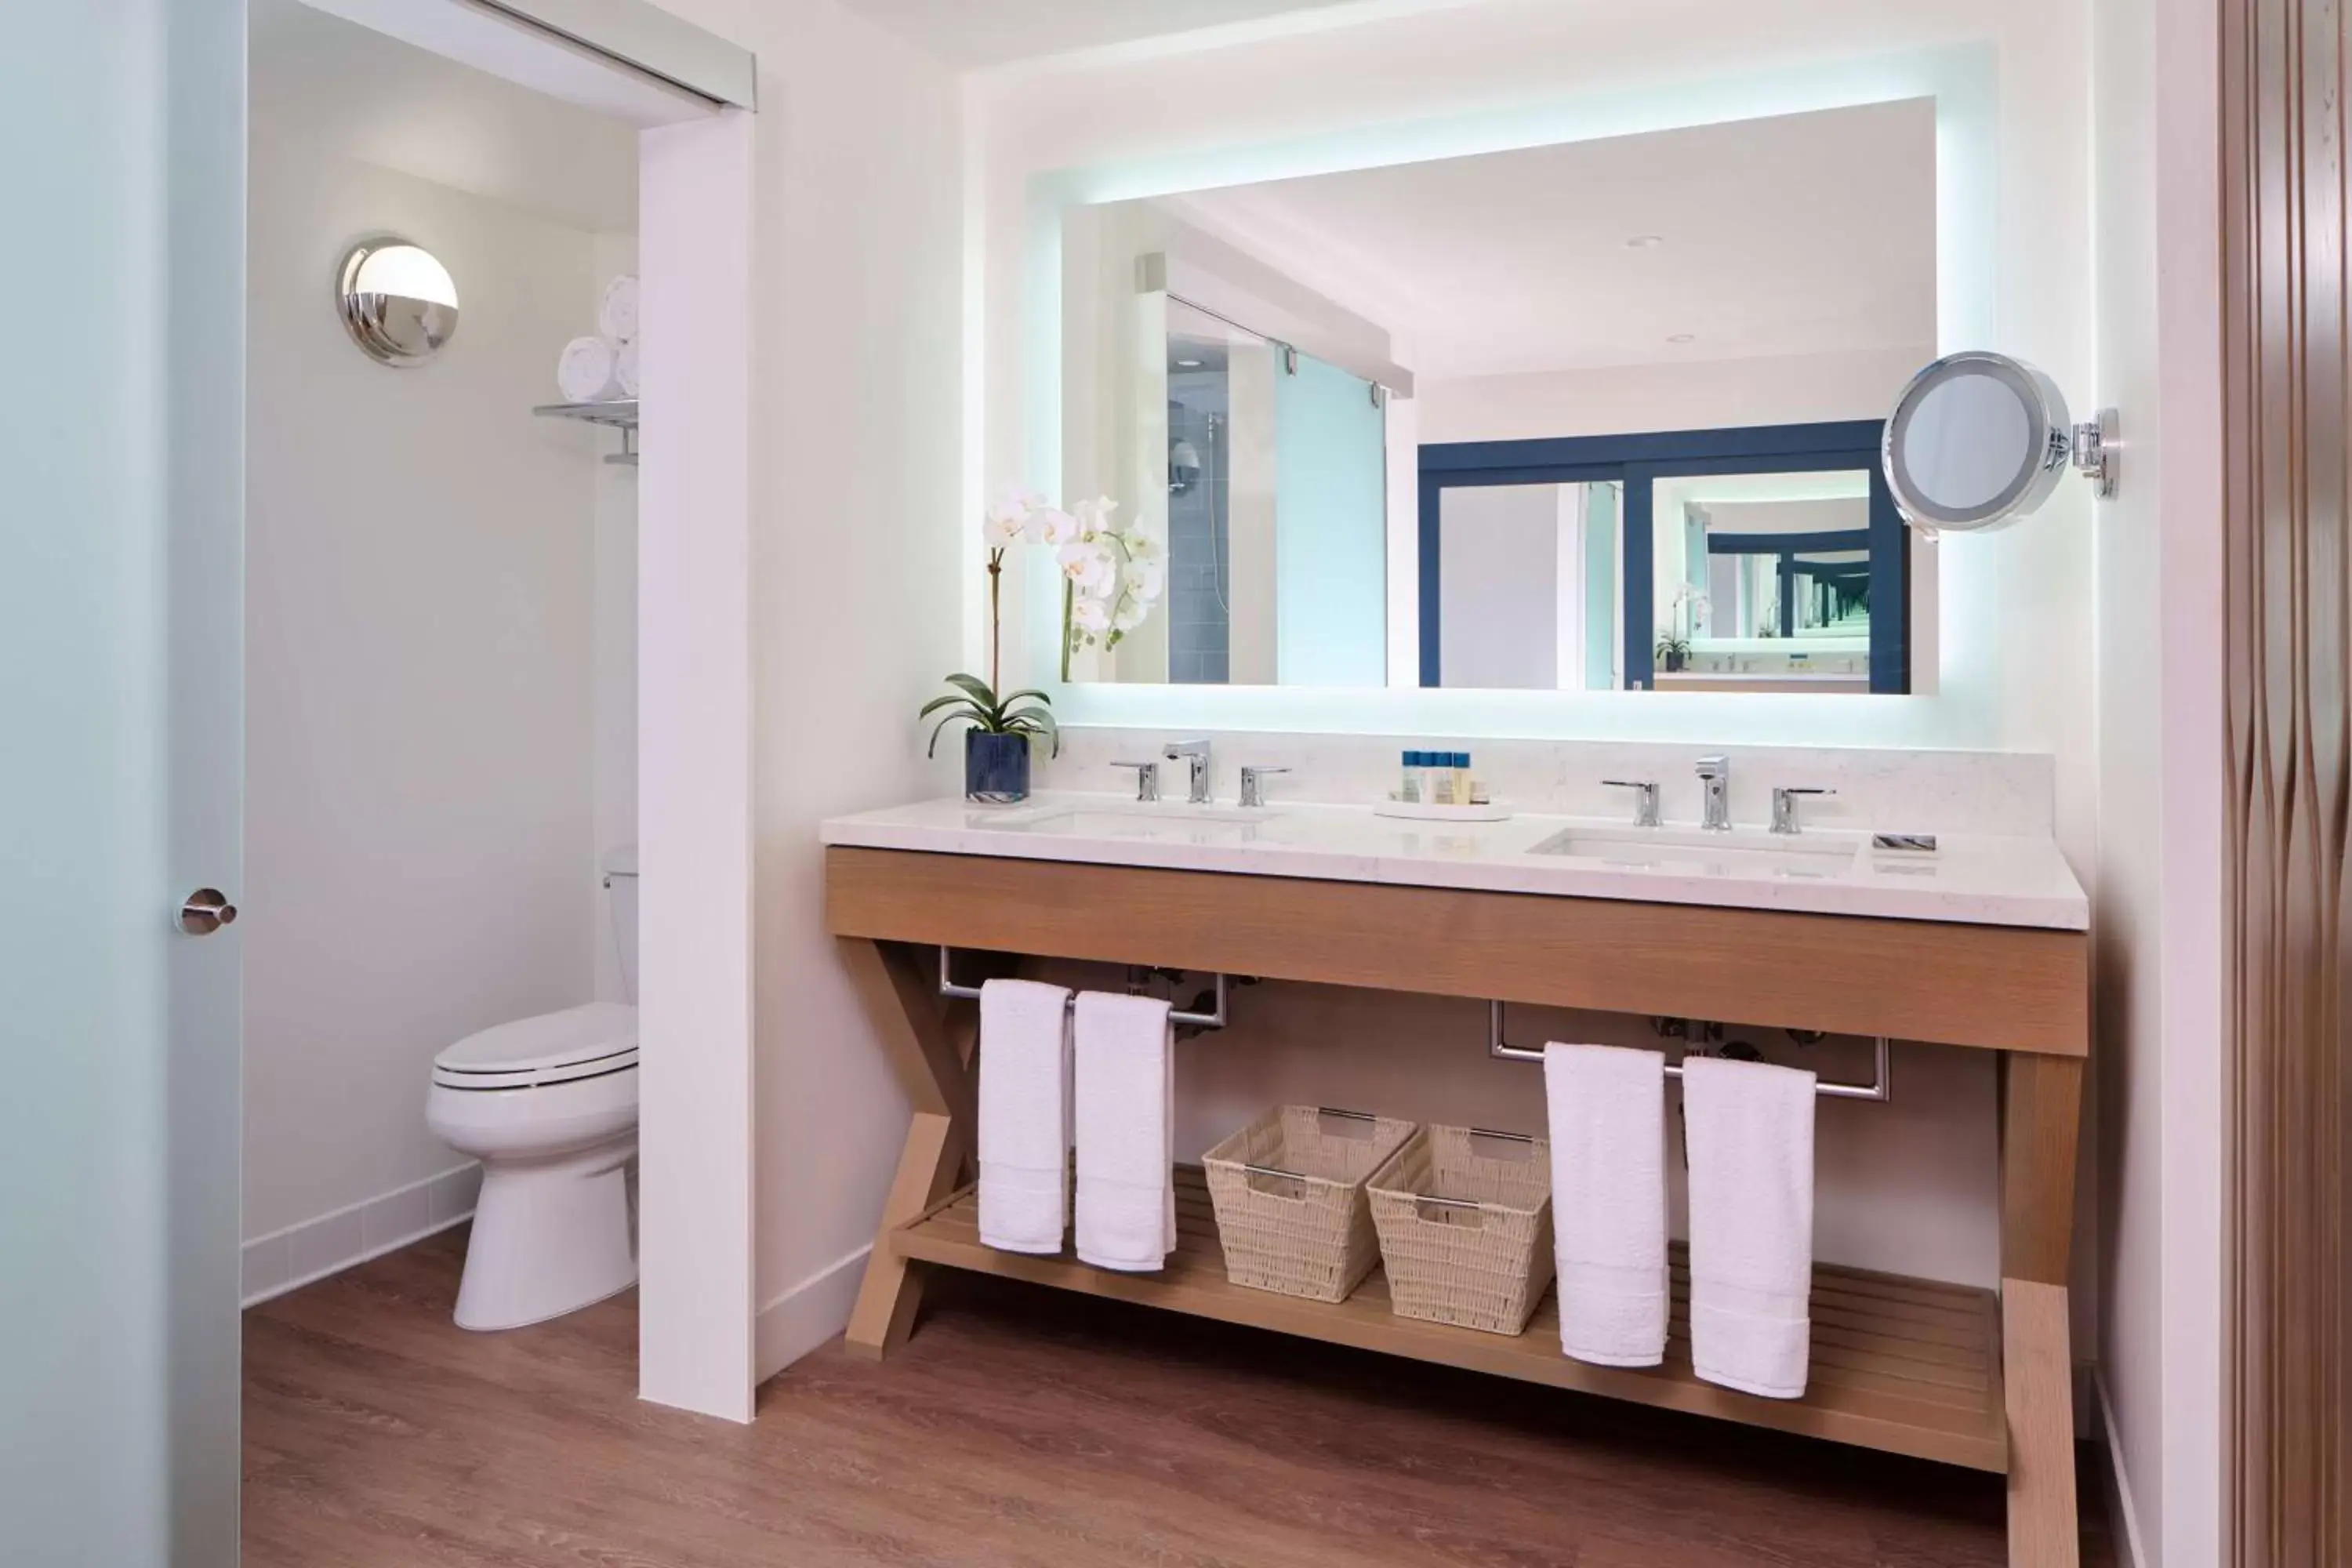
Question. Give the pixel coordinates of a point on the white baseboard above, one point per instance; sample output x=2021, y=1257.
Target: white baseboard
x=806, y=1315
x=288, y=1259
x=2118, y=1488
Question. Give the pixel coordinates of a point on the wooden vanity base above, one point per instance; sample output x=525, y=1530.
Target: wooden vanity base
x=1936, y=1371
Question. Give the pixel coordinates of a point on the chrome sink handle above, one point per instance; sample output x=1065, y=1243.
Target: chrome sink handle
x=1646, y=799
x=1254, y=784
x=1147, y=779
x=1784, y=807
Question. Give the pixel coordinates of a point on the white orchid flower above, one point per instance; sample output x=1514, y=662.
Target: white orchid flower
x=1094, y=516
x=1051, y=525
x=1089, y=615
x=1143, y=545
x=1131, y=613
x=1009, y=519
x=1144, y=577
x=1090, y=567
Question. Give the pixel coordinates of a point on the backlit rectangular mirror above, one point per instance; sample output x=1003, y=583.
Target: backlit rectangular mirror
x=1602, y=415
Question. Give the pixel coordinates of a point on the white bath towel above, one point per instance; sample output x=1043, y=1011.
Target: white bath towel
x=1024, y=1115
x=617, y=316
x=1750, y=1131
x=1608, y=1126
x=1125, y=1100
x=625, y=368
x=585, y=373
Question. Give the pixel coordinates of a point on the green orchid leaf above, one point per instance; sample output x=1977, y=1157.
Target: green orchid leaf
x=933, y=749
x=976, y=689
x=952, y=698
x=1039, y=721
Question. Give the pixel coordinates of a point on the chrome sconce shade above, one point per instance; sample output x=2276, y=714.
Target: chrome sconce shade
x=1977, y=440
x=397, y=300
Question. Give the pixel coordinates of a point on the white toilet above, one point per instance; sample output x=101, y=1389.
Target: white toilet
x=549, y=1106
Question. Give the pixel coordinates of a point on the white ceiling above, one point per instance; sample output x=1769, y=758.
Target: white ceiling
x=385, y=102
x=978, y=33
x=1799, y=235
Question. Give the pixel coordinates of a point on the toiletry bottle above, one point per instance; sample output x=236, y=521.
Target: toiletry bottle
x=1440, y=778
x=1411, y=791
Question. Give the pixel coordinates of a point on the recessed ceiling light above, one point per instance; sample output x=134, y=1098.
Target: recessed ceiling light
x=1645, y=242
x=1684, y=338
x=1187, y=364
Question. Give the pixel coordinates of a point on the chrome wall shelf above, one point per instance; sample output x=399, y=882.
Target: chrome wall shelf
x=619, y=414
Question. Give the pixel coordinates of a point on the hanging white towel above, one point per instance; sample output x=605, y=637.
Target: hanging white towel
x=617, y=316
x=1608, y=1126
x=585, y=373
x=625, y=368
x=1024, y=1115
x=1125, y=1099
x=1750, y=1126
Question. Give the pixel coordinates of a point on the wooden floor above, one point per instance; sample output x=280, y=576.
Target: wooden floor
x=1022, y=1426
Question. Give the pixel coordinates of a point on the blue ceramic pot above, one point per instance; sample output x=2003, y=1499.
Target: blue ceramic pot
x=995, y=767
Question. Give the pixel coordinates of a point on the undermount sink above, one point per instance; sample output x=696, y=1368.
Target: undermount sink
x=1177, y=820
x=1740, y=852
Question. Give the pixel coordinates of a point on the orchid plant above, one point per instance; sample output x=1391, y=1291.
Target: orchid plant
x=1690, y=607
x=1014, y=519
x=1111, y=576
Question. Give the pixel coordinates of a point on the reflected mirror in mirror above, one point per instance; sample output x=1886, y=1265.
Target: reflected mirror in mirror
x=1601, y=416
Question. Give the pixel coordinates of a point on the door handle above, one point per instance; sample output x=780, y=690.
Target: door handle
x=205, y=911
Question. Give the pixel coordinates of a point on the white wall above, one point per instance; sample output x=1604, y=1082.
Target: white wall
x=859, y=510
x=1704, y=395
x=1499, y=558
x=2157, y=898
x=421, y=737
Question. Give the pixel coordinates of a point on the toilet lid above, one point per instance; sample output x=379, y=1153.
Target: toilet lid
x=553, y=1047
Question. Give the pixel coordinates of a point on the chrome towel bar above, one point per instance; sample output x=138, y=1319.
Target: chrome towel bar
x=1881, y=1090
x=1181, y=1019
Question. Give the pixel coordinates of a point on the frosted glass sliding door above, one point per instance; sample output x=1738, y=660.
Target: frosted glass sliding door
x=120, y=452
x=1332, y=526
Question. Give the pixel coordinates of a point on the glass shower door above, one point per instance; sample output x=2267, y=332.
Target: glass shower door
x=120, y=426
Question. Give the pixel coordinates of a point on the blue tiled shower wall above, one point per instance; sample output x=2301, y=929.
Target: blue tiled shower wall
x=1200, y=619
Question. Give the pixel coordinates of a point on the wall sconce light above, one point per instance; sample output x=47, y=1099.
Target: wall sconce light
x=397, y=302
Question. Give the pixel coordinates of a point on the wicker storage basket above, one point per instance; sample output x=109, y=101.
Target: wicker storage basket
x=1464, y=1224
x=1289, y=1195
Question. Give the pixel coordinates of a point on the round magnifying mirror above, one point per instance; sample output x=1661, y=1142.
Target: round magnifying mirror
x=1977, y=440
x=397, y=300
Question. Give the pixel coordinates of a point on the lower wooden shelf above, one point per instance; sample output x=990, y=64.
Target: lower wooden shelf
x=1909, y=1366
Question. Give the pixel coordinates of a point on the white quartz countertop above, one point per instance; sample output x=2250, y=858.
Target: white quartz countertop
x=1977, y=878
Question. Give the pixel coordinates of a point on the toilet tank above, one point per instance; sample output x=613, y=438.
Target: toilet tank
x=620, y=907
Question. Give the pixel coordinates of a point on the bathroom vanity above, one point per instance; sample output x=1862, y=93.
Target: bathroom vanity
x=1980, y=943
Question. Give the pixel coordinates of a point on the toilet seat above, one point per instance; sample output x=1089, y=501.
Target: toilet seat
x=577, y=1043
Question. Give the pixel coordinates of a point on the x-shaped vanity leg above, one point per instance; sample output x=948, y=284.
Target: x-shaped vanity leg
x=934, y=1069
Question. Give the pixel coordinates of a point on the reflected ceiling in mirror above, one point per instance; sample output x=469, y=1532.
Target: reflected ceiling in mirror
x=1304, y=382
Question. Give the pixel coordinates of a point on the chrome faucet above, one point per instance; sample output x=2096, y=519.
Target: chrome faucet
x=1784, y=807
x=1646, y=799
x=1197, y=754
x=1715, y=781
x=1253, y=784
x=1147, y=779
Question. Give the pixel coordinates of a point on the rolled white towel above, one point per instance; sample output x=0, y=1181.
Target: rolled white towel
x=617, y=317
x=587, y=373
x=625, y=368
